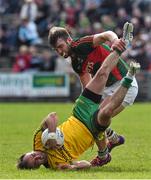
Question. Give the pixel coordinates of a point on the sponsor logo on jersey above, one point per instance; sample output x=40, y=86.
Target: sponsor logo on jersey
x=89, y=67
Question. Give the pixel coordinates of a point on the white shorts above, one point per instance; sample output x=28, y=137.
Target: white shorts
x=130, y=96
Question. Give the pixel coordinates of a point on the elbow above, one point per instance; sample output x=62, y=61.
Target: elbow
x=110, y=33
x=106, y=113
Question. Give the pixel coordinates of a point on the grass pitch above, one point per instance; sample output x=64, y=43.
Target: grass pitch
x=132, y=160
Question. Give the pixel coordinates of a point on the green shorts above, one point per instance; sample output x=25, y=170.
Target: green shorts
x=86, y=111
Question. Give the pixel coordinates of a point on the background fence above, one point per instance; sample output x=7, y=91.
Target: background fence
x=55, y=86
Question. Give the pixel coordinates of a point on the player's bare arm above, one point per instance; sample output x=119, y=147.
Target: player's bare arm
x=108, y=36
x=51, y=122
x=83, y=164
x=103, y=37
x=102, y=74
x=85, y=78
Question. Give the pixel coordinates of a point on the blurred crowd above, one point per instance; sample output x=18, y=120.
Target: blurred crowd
x=24, y=28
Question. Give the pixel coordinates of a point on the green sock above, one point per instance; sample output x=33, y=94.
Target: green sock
x=126, y=82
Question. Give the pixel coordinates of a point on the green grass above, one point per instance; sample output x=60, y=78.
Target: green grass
x=132, y=160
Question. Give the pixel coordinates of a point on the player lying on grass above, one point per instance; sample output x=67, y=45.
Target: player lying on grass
x=87, y=123
x=87, y=54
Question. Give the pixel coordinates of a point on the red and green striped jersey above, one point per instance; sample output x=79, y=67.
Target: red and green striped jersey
x=87, y=58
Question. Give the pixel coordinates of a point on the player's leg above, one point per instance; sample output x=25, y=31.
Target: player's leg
x=105, y=114
x=131, y=95
x=105, y=145
x=103, y=120
x=103, y=156
x=114, y=139
x=98, y=82
x=128, y=100
x=97, y=85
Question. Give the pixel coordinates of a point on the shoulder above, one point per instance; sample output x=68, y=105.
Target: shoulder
x=79, y=41
x=82, y=46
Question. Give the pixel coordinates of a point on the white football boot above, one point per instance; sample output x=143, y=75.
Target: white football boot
x=134, y=67
x=128, y=33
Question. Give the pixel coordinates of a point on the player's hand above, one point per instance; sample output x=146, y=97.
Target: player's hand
x=75, y=166
x=119, y=45
x=83, y=164
x=65, y=166
x=51, y=144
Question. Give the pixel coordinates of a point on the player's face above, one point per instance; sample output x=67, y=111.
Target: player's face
x=62, y=48
x=34, y=159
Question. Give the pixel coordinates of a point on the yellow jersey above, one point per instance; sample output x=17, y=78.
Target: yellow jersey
x=77, y=139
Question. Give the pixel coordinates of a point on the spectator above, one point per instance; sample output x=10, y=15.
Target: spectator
x=35, y=61
x=148, y=50
x=56, y=12
x=42, y=16
x=135, y=21
x=84, y=24
x=138, y=53
x=27, y=33
x=97, y=28
x=106, y=7
x=136, y=12
x=122, y=17
x=4, y=41
x=108, y=23
x=13, y=6
x=22, y=60
x=147, y=24
x=70, y=14
x=91, y=7
x=63, y=66
x=126, y=4
x=48, y=61
x=3, y=6
x=29, y=9
x=81, y=17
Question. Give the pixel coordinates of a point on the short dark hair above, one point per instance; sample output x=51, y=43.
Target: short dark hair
x=21, y=164
x=55, y=33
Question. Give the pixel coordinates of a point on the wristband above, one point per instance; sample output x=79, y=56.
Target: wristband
x=52, y=135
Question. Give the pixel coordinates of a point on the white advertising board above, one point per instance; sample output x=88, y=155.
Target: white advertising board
x=34, y=85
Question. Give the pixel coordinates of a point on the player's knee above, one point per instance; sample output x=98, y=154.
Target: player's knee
x=106, y=113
